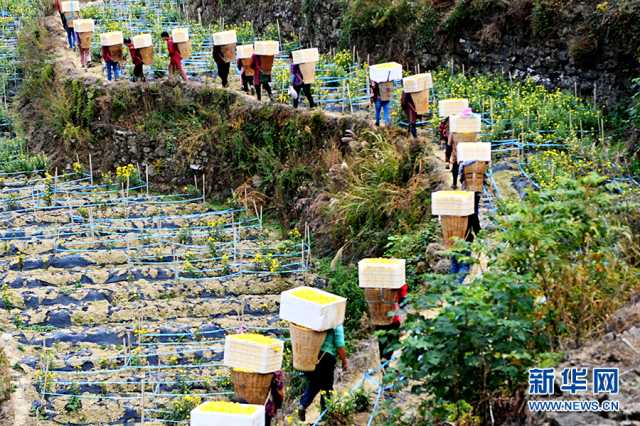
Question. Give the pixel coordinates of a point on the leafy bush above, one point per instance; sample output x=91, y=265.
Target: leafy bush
x=478, y=343
x=569, y=241
x=412, y=247
x=428, y=20
x=386, y=188
x=376, y=20
x=341, y=407
x=543, y=16
x=180, y=408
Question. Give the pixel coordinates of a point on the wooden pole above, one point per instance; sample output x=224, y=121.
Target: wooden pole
x=146, y=177
x=90, y=170
x=204, y=190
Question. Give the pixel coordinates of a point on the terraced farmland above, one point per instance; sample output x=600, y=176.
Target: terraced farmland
x=120, y=300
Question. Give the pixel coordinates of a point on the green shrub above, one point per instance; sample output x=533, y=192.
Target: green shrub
x=376, y=21
x=543, y=16
x=477, y=345
x=412, y=247
x=387, y=189
x=569, y=240
x=428, y=20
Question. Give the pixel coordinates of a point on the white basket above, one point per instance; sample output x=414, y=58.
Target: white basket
x=253, y=352
x=180, y=35
x=305, y=56
x=224, y=37
x=460, y=124
x=84, y=25
x=70, y=6
x=222, y=413
x=388, y=71
x=320, y=314
x=113, y=38
x=452, y=203
x=417, y=83
x=266, y=48
x=381, y=273
x=142, y=40
x=474, y=151
x=244, y=51
x=449, y=107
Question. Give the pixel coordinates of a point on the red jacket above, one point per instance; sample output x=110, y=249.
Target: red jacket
x=218, y=56
x=174, y=52
x=57, y=5
x=402, y=294
x=255, y=64
x=375, y=91
x=444, y=130
x=106, y=54
x=406, y=101
x=135, y=55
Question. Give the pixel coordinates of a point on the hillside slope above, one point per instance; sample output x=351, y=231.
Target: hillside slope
x=587, y=46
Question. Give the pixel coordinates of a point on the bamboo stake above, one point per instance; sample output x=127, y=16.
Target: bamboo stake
x=142, y=398
x=204, y=189
x=279, y=36
x=90, y=170
x=93, y=234
x=146, y=177
x=235, y=237
x=570, y=122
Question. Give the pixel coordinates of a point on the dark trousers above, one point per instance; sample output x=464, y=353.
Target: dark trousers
x=307, y=92
x=247, y=82
x=447, y=152
x=460, y=268
x=321, y=379
x=455, y=167
x=386, y=348
x=413, y=129
x=267, y=87
x=223, y=72
x=71, y=37
x=138, y=72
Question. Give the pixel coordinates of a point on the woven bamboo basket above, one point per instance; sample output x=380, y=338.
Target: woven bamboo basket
x=386, y=90
x=246, y=65
x=116, y=53
x=251, y=387
x=421, y=101
x=306, y=345
x=185, y=49
x=308, y=71
x=147, y=55
x=85, y=40
x=453, y=226
x=474, y=176
x=381, y=302
x=229, y=52
x=466, y=137
x=266, y=63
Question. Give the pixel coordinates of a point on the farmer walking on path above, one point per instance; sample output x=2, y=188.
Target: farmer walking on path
x=321, y=379
x=136, y=59
x=175, y=59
